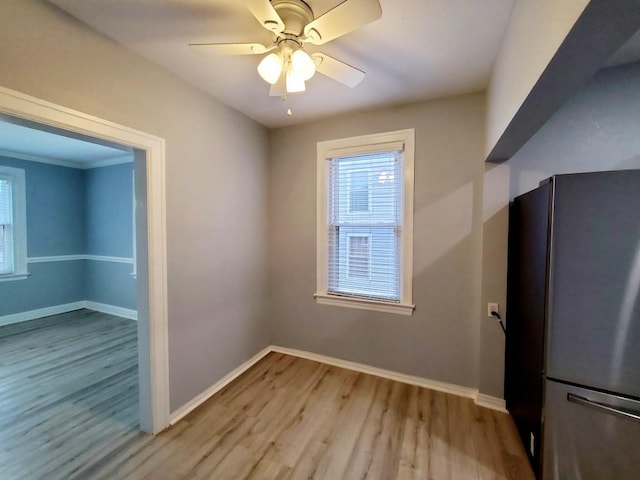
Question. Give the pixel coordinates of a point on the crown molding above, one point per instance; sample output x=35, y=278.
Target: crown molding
x=68, y=163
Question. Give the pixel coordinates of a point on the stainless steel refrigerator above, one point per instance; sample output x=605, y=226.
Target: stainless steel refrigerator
x=572, y=380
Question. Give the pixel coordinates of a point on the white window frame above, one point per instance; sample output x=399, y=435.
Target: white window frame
x=134, y=272
x=19, y=206
x=367, y=144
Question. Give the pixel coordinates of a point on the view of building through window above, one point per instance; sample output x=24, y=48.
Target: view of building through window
x=365, y=217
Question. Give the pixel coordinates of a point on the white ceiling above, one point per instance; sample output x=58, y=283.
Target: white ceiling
x=31, y=141
x=419, y=49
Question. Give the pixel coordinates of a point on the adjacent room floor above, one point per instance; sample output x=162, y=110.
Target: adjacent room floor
x=68, y=392
x=286, y=418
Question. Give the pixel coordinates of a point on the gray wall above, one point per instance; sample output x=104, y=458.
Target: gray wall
x=440, y=341
x=216, y=180
x=597, y=129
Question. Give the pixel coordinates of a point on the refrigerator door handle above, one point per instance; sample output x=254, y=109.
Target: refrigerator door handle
x=603, y=407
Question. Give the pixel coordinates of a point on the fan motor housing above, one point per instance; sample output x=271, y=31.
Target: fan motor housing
x=295, y=15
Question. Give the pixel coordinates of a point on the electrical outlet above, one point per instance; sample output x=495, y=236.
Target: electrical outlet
x=532, y=444
x=493, y=307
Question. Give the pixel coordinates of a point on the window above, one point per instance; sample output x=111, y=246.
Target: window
x=359, y=259
x=359, y=191
x=13, y=232
x=365, y=222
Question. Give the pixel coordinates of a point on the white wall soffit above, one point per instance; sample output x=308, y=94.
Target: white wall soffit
x=516, y=110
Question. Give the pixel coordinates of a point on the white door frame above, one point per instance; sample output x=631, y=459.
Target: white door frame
x=154, y=355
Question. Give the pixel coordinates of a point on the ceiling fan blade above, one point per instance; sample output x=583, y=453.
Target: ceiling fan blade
x=230, y=48
x=266, y=15
x=338, y=70
x=342, y=19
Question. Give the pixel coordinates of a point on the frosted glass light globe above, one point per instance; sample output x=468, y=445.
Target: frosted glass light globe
x=270, y=68
x=295, y=83
x=303, y=65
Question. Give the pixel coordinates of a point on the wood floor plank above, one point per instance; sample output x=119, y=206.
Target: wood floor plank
x=69, y=407
x=441, y=451
x=68, y=392
x=414, y=457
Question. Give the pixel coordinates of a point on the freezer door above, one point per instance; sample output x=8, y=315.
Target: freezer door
x=589, y=435
x=593, y=328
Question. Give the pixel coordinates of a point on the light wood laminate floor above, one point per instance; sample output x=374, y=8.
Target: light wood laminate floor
x=285, y=418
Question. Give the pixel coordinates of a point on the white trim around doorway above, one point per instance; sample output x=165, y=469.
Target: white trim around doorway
x=154, y=357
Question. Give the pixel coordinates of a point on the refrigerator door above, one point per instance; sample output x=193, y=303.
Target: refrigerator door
x=589, y=435
x=593, y=329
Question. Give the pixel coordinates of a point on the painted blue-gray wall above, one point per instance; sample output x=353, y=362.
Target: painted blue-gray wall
x=110, y=283
x=55, y=208
x=49, y=284
x=109, y=232
x=74, y=212
x=109, y=222
x=55, y=226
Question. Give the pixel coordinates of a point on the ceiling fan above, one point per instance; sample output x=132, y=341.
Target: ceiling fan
x=287, y=66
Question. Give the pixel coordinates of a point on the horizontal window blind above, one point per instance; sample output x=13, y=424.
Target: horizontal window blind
x=364, y=224
x=6, y=227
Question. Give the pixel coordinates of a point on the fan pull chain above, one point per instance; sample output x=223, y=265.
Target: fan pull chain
x=288, y=111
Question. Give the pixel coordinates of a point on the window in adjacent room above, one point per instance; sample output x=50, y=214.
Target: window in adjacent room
x=365, y=222
x=13, y=231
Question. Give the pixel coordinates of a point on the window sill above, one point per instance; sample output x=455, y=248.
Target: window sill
x=14, y=276
x=362, y=304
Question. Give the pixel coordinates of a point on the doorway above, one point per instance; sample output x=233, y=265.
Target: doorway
x=149, y=160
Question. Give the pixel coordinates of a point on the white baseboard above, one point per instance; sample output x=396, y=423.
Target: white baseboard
x=216, y=387
x=494, y=403
x=380, y=372
x=68, y=307
x=40, y=313
x=112, y=310
x=479, y=399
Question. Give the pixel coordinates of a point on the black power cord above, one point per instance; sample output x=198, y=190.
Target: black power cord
x=495, y=315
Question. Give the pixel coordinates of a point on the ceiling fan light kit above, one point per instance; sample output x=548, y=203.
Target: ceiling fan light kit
x=294, y=25
x=296, y=67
